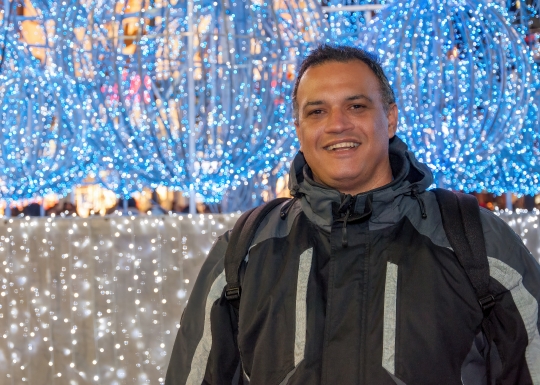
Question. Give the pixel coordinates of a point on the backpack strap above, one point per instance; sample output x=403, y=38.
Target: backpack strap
x=242, y=236
x=461, y=221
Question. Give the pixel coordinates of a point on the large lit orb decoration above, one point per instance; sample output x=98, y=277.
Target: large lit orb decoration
x=43, y=135
x=462, y=76
x=196, y=95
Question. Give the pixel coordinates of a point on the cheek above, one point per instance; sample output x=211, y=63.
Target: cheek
x=309, y=137
x=381, y=129
x=300, y=132
x=310, y=143
x=303, y=138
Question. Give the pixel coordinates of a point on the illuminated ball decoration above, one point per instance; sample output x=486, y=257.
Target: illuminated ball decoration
x=43, y=140
x=198, y=97
x=194, y=95
x=463, y=79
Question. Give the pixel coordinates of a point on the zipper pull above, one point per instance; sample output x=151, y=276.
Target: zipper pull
x=420, y=202
x=344, y=238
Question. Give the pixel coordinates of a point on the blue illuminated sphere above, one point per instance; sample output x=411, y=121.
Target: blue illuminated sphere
x=244, y=59
x=463, y=76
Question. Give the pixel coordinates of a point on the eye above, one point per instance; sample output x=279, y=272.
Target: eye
x=357, y=106
x=315, y=112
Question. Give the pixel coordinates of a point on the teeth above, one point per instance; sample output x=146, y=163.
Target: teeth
x=342, y=145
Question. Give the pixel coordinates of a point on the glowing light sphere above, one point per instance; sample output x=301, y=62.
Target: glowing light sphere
x=191, y=94
x=463, y=78
x=43, y=140
x=199, y=97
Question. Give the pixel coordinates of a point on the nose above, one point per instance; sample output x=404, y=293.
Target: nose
x=338, y=122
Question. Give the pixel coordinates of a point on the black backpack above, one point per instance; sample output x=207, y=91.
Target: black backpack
x=461, y=221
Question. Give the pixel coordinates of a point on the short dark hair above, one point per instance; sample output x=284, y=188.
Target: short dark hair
x=340, y=53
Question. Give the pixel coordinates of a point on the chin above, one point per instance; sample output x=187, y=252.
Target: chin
x=341, y=181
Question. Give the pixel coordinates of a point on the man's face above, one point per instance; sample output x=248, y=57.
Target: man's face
x=343, y=127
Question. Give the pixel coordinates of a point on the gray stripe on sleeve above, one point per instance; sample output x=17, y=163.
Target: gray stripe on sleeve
x=304, y=268
x=200, y=358
x=527, y=307
x=301, y=306
x=389, y=322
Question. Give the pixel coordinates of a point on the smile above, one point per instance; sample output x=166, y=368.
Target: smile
x=342, y=146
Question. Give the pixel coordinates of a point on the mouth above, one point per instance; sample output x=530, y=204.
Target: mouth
x=343, y=146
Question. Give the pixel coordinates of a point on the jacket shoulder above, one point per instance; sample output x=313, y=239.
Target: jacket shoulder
x=510, y=262
x=503, y=243
x=274, y=226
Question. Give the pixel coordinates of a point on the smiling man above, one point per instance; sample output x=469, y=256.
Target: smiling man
x=353, y=281
x=344, y=121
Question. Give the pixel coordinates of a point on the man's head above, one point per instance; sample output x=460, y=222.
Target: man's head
x=345, y=112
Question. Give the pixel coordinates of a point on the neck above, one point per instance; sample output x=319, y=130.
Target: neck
x=346, y=187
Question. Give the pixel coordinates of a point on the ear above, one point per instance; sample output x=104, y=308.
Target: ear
x=298, y=132
x=392, y=120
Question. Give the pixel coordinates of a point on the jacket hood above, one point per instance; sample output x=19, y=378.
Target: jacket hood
x=319, y=201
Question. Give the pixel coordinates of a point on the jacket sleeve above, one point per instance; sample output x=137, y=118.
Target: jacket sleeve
x=515, y=276
x=205, y=350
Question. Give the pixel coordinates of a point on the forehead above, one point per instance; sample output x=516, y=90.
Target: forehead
x=333, y=78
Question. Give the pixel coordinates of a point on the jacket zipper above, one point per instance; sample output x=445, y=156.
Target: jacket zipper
x=363, y=348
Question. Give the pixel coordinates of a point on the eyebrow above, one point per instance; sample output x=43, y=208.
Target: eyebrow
x=353, y=97
x=360, y=96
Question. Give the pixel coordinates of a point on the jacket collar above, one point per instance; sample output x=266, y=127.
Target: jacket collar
x=319, y=201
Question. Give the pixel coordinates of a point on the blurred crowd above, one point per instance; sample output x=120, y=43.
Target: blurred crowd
x=147, y=203
x=165, y=202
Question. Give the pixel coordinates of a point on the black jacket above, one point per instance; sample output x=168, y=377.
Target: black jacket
x=377, y=298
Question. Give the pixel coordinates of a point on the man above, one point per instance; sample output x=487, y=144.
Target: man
x=353, y=281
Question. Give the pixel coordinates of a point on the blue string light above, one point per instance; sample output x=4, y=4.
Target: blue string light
x=43, y=135
x=122, y=94
x=244, y=58
x=347, y=24
x=125, y=94
x=463, y=78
